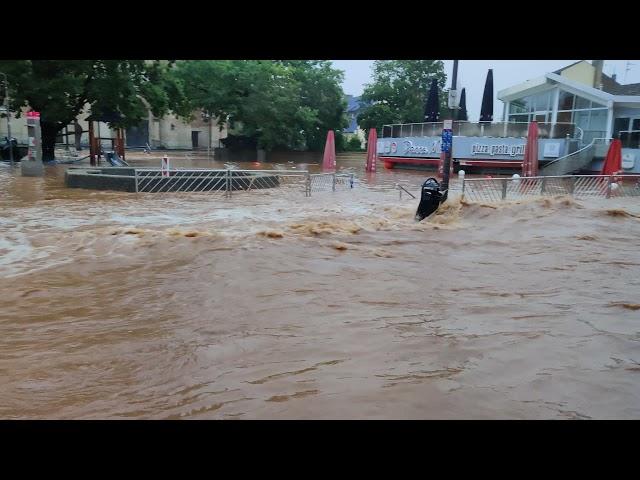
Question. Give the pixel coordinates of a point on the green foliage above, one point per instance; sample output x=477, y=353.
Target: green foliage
x=353, y=145
x=399, y=91
x=60, y=89
x=281, y=104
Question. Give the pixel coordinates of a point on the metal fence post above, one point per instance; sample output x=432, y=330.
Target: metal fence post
x=504, y=189
x=572, y=184
x=542, y=185
x=333, y=186
x=463, y=184
x=609, y=182
x=307, y=185
x=228, y=184
x=135, y=176
x=351, y=180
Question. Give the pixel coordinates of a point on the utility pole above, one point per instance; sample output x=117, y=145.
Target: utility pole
x=6, y=104
x=447, y=136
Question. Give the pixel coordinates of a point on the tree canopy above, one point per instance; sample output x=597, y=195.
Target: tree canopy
x=399, y=91
x=276, y=104
x=60, y=90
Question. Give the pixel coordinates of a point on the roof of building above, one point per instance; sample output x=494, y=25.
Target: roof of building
x=609, y=84
x=354, y=105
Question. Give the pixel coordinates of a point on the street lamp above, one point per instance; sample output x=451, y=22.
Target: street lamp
x=6, y=104
x=447, y=156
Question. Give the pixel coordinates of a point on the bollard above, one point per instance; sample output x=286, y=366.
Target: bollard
x=165, y=166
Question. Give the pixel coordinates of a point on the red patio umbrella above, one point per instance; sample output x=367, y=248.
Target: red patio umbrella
x=372, y=151
x=530, y=162
x=613, y=161
x=329, y=158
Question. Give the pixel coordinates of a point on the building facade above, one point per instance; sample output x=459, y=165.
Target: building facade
x=580, y=94
x=354, y=107
x=167, y=132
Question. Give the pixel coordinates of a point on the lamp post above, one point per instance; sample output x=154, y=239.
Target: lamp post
x=6, y=104
x=447, y=155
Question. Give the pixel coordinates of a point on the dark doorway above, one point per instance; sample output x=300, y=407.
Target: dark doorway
x=194, y=139
x=138, y=136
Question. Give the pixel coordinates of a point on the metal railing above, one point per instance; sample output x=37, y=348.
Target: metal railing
x=402, y=188
x=575, y=160
x=156, y=180
x=578, y=186
x=481, y=129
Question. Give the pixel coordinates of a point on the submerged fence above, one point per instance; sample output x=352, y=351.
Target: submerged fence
x=157, y=180
x=579, y=186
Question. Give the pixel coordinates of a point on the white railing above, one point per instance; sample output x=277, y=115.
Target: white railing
x=481, y=129
x=574, y=161
x=579, y=186
x=156, y=180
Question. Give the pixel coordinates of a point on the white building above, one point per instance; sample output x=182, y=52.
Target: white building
x=581, y=94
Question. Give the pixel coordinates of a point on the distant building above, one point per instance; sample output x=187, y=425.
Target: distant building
x=167, y=132
x=354, y=107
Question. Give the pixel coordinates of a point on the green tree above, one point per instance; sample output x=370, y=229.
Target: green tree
x=399, y=91
x=321, y=92
x=60, y=90
x=276, y=104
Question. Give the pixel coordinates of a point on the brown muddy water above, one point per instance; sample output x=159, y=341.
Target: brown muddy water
x=271, y=305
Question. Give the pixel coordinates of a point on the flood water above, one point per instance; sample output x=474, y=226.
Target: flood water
x=273, y=305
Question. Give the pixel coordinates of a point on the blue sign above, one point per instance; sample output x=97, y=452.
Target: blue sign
x=447, y=140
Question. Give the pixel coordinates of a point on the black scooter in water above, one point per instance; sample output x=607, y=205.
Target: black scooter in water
x=431, y=199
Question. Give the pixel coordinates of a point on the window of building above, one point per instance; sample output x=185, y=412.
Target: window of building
x=628, y=131
x=619, y=125
x=564, y=117
x=565, y=100
x=582, y=103
x=517, y=106
x=519, y=118
x=598, y=121
x=581, y=119
x=542, y=102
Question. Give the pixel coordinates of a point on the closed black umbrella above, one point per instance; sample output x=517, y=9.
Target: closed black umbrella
x=432, y=106
x=462, y=112
x=486, y=111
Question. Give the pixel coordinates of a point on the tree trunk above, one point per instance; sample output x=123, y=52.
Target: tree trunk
x=49, y=133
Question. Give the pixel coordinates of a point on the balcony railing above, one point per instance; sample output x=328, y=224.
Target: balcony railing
x=481, y=129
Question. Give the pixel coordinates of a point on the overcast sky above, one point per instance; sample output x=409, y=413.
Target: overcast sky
x=473, y=74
